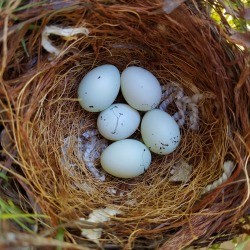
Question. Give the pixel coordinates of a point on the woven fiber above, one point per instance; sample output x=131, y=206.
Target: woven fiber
x=51, y=148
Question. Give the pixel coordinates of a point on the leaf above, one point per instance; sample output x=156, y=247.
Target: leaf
x=60, y=236
x=9, y=211
x=245, y=13
x=243, y=245
x=25, y=47
x=30, y=5
x=4, y=176
x=241, y=38
x=60, y=31
x=171, y=5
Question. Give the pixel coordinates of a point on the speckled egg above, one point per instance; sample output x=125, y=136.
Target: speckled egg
x=99, y=88
x=160, y=132
x=118, y=122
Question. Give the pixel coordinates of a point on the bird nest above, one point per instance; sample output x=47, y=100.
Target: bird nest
x=52, y=146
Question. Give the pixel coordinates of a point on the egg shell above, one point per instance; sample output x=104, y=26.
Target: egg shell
x=126, y=158
x=118, y=122
x=160, y=132
x=99, y=88
x=140, y=88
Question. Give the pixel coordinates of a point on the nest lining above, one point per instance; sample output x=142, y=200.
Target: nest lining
x=47, y=112
x=74, y=121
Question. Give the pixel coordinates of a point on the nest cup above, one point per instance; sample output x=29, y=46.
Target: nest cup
x=184, y=50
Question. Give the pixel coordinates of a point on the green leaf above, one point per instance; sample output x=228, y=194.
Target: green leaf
x=4, y=176
x=215, y=247
x=25, y=47
x=9, y=211
x=60, y=236
x=31, y=5
x=242, y=245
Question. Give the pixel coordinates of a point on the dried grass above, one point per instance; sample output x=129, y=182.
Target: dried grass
x=40, y=109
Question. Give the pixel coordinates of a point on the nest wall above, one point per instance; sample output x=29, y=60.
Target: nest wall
x=40, y=109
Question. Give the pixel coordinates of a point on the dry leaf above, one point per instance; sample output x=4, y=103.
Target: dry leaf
x=98, y=216
x=181, y=172
x=245, y=13
x=241, y=38
x=170, y=5
x=65, y=32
